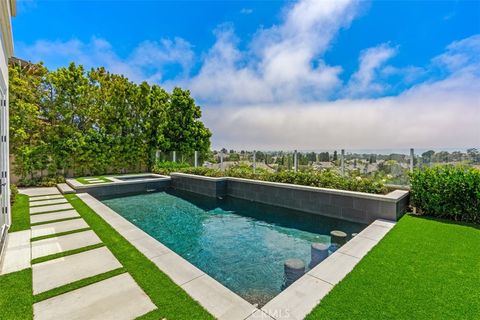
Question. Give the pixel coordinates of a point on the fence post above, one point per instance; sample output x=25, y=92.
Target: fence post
x=221, y=160
x=412, y=157
x=174, y=156
x=196, y=159
x=254, y=161
x=342, y=161
x=157, y=156
x=295, y=161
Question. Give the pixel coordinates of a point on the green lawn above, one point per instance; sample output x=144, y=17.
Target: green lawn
x=83, y=181
x=422, y=269
x=171, y=300
x=16, y=299
x=20, y=214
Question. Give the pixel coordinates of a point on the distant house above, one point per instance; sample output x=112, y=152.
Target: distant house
x=7, y=10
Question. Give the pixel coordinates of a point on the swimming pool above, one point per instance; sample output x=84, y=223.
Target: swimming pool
x=242, y=244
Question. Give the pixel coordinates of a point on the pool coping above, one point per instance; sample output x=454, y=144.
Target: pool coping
x=295, y=302
x=78, y=186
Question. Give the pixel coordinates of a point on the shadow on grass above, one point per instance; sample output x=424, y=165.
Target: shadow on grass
x=445, y=221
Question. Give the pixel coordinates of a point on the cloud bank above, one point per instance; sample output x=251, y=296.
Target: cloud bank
x=280, y=93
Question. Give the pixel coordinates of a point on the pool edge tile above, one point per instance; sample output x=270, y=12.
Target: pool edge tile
x=218, y=299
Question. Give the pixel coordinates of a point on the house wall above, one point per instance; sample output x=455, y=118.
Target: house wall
x=6, y=51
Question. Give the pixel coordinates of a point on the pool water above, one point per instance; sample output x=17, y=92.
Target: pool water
x=242, y=244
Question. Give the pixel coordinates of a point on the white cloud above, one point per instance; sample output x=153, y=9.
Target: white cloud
x=363, y=82
x=246, y=11
x=275, y=94
x=432, y=115
x=145, y=63
x=282, y=63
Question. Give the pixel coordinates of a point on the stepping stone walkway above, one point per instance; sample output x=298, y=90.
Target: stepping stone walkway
x=59, y=272
x=47, y=202
x=17, y=252
x=58, y=227
x=41, y=198
x=118, y=297
x=45, y=217
x=54, y=207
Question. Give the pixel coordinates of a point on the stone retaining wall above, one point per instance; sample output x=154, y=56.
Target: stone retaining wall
x=348, y=205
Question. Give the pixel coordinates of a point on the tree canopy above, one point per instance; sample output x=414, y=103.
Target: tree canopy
x=72, y=121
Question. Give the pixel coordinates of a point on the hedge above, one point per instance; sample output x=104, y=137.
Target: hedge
x=451, y=192
x=321, y=179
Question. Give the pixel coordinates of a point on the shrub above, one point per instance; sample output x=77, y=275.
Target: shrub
x=322, y=179
x=447, y=191
x=13, y=193
x=165, y=167
x=42, y=181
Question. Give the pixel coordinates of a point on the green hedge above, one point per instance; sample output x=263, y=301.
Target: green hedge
x=447, y=191
x=321, y=179
x=49, y=181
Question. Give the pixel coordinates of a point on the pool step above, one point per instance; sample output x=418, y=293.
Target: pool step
x=65, y=188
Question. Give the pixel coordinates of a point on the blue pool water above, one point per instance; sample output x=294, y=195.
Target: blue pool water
x=241, y=244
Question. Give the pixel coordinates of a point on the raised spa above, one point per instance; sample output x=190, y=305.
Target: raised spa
x=241, y=244
x=138, y=177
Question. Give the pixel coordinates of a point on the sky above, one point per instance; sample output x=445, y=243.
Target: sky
x=271, y=75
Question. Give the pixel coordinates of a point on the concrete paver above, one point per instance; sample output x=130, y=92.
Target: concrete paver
x=17, y=252
x=47, y=202
x=58, y=227
x=68, y=242
x=45, y=217
x=33, y=192
x=58, y=272
x=118, y=298
x=53, y=207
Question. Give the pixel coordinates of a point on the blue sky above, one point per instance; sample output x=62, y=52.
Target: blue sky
x=272, y=74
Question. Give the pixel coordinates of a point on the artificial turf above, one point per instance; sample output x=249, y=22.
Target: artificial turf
x=82, y=180
x=172, y=302
x=20, y=214
x=16, y=298
x=422, y=269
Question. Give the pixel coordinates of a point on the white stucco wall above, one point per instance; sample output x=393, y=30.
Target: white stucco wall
x=6, y=51
x=3, y=60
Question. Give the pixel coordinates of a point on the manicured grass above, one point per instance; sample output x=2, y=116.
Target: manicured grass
x=83, y=181
x=422, y=269
x=16, y=298
x=20, y=214
x=171, y=300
